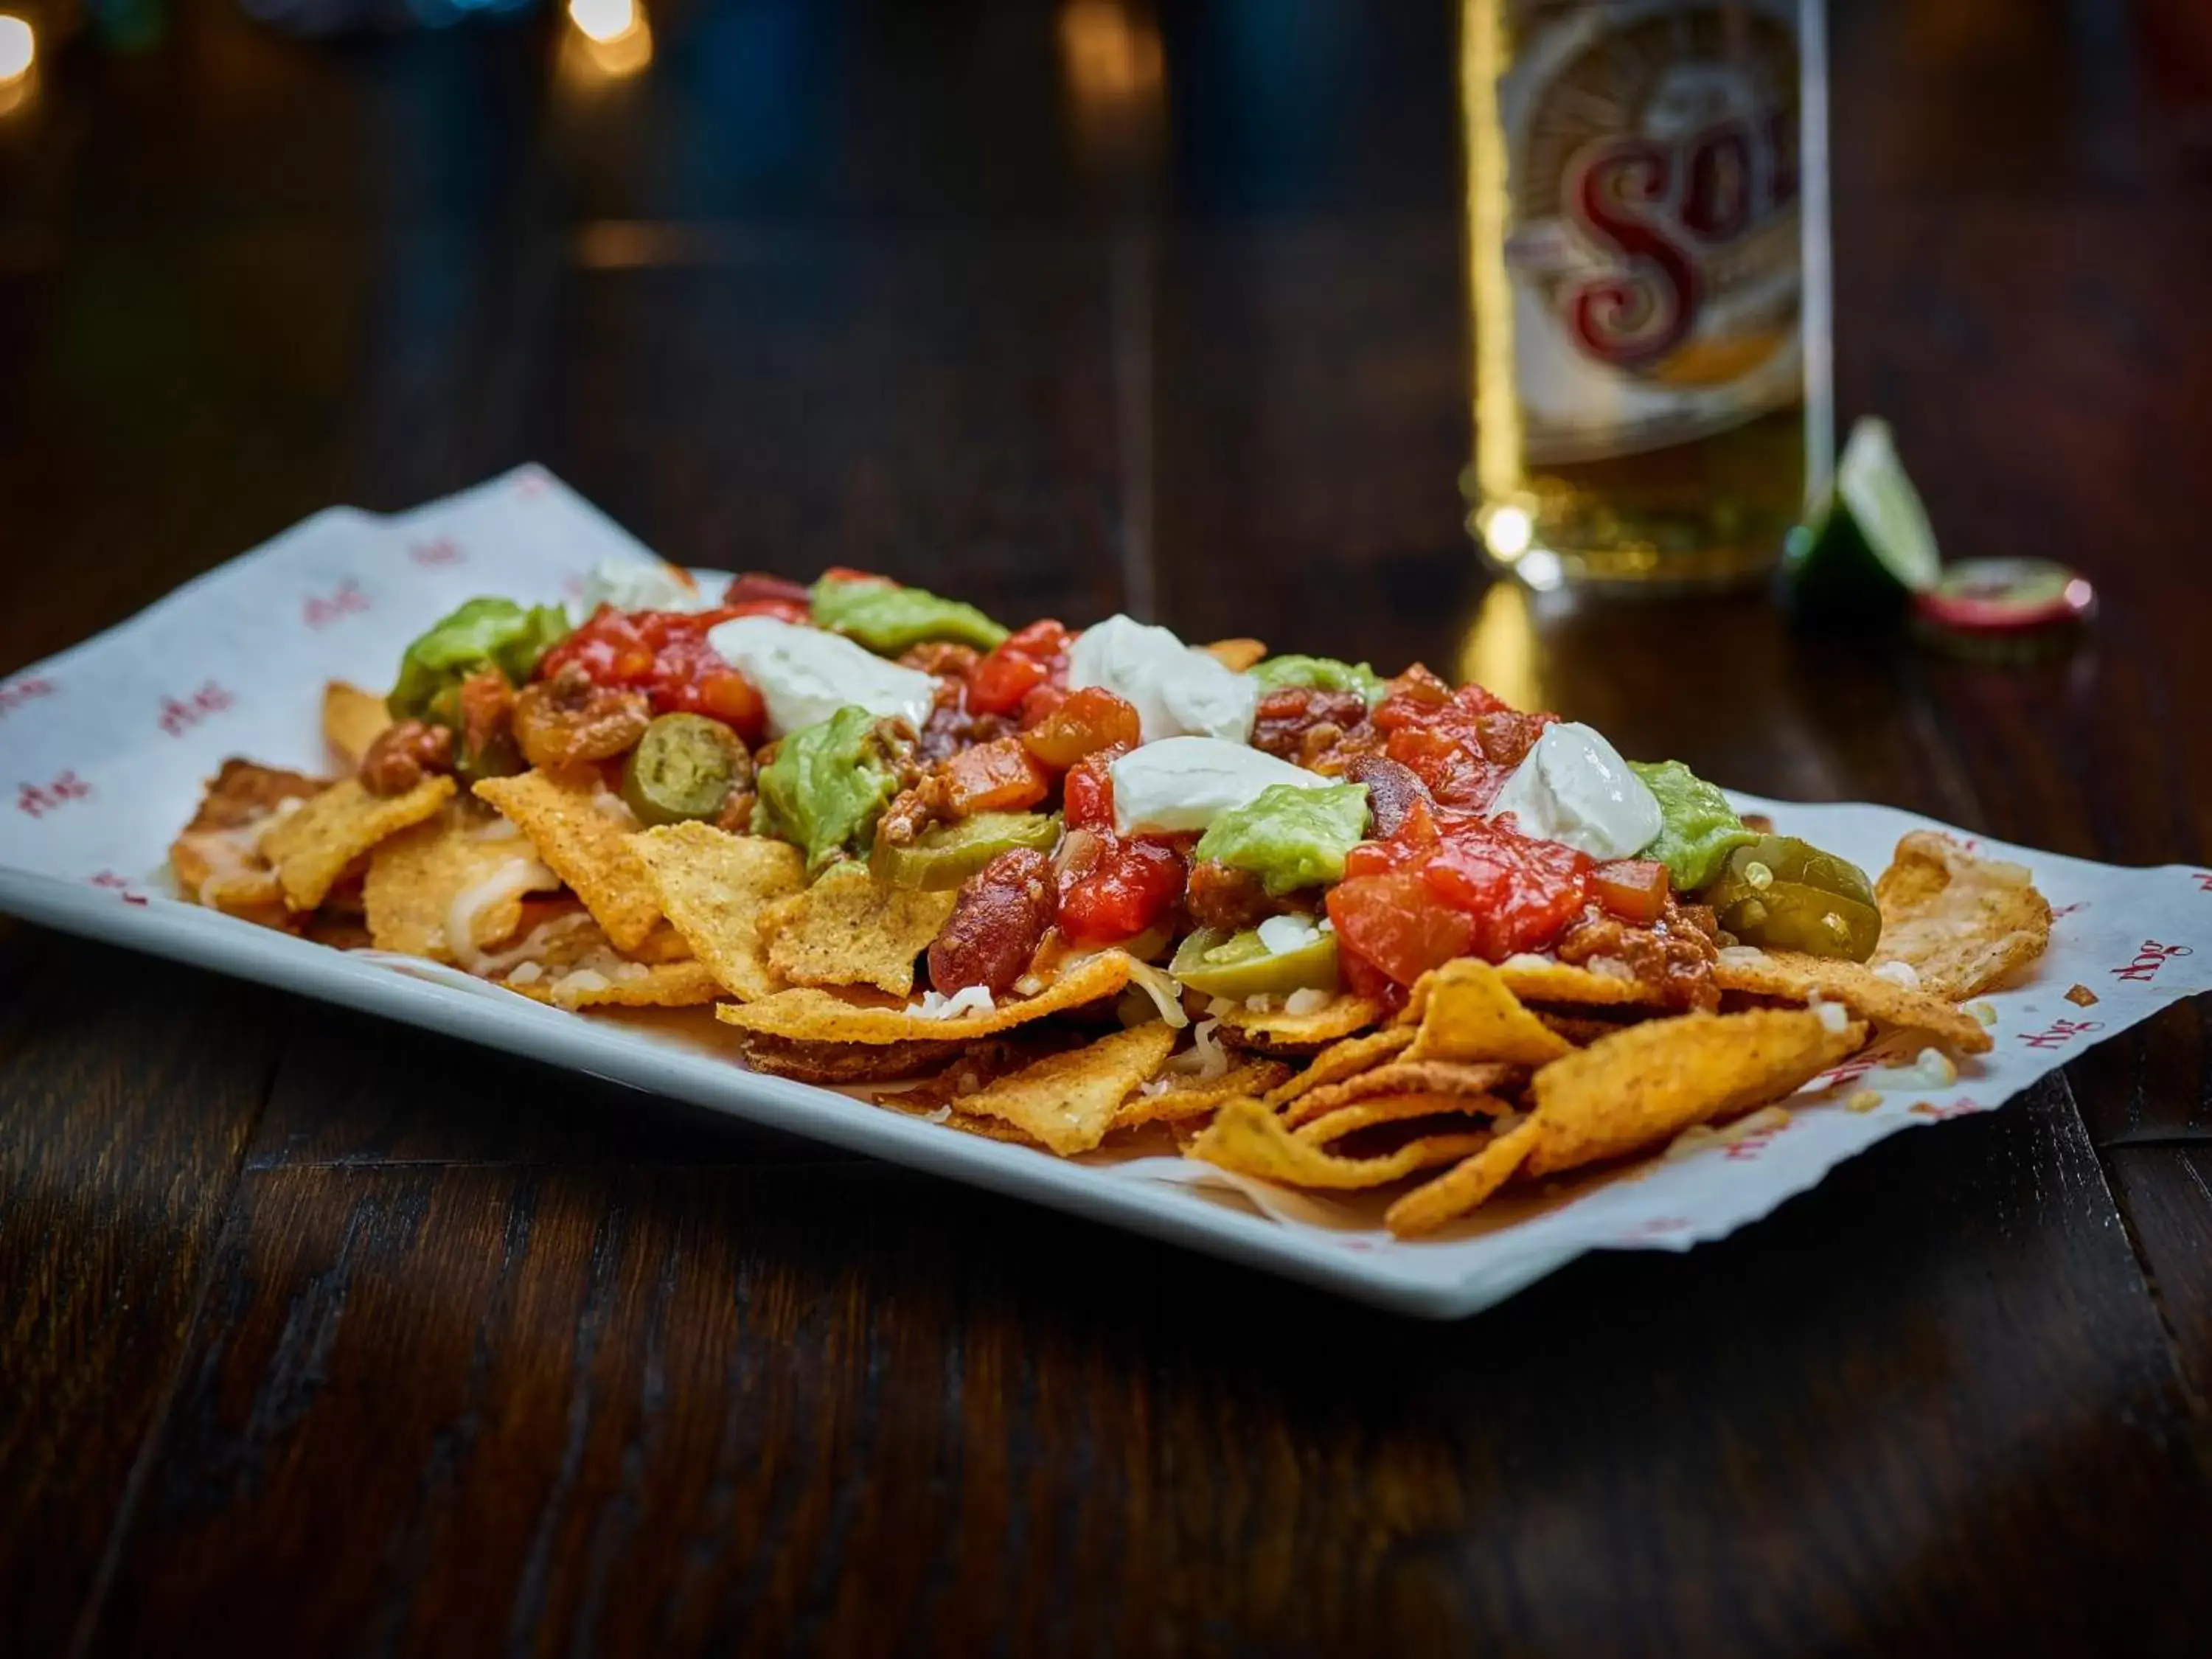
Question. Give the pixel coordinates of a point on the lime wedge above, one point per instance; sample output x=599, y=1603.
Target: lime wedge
x=1868, y=546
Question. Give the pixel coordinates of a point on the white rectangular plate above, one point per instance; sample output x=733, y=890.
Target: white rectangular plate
x=104, y=749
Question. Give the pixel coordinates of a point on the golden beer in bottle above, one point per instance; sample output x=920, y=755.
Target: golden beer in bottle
x=1647, y=279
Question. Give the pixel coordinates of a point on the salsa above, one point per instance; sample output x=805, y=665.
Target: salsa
x=1112, y=887
x=665, y=654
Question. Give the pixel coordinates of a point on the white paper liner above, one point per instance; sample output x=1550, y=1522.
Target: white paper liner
x=104, y=749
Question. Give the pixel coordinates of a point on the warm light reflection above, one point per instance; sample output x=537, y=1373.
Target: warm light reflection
x=610, y=39
x=1112, y=56
x=1507, y=530
x=19, y=48
x=1502, y=650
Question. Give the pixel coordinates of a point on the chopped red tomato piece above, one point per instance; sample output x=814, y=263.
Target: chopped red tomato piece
x=665, y=654
x=1635, y=890
x=1034, y=656
x=998, y=776
x=1087, y=792
x=1518, y=892
x=1394, y=924
x=756, y=593
x=1123, y=888
x=1082, y=723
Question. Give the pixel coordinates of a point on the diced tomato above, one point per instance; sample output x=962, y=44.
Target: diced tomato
x=1450, y=763
x=845, y=573
x=1084, y=722
x=665, y=654
x=998, y=776
x=1126, y=888
x=1020, y=663
x=1635, y=890
x=1519, y=892
x=1394, y=924
x=1087, y=792
x=1038, y=703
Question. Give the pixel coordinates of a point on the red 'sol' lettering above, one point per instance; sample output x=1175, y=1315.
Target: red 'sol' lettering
x=116, y=884
x=346, y=600
x=39, y=799
x=180, y=714
x=442, y=551
x=2148, y=960
x=2060, y=1032
x=16, y=694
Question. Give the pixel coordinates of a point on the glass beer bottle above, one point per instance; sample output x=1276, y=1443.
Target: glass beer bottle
x=1647, y=280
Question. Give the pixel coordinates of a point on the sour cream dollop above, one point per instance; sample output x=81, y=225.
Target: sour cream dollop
x=1574, y=788
x=805, y=675
x=629, y=585
x=1182, y=784
x=1177, y=690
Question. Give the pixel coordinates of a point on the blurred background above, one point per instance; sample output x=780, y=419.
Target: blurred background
x=1072, y=305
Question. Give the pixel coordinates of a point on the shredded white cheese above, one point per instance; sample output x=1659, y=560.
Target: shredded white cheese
x=1741, y=955
x=616, y=808
x=1283, y=934
x=515, y=877
x=528, y=973
x=1899, y=973
x=1610, y=968
x=1936, y=1069
x=1310, y=1000
x=1163, y=989
x=572, y=987
x=1833, y=1015
x=968, y=999
x=1205, y=1059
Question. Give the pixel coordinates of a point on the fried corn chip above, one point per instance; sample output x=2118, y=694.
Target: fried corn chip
x=1068, y=1101
x=1644, y=1086
x=1342, y=1059
x=850, y=929
x=1182, y=1098
x=1248, y=1138
x=1239, y=653
x=1869, y=996
x=312, y=846
x=817, y=1016
x=1467, y=1014
x=841, y=1065
x=715, y=885
x=1455, y=1192
x=1962, y=922
x=629, y=985
x=664, y=944
x=352, y=718
x=1274, y=1029
x=1441, y=1076
x=217, y=860
x=587, y=841
x=445, y=874
x=1540, y=979
x=1360, y=1115
x=990, y=1128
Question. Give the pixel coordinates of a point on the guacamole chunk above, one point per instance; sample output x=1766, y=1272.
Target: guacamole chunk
x=1290, y=837
x=888, y=619
x=1697, y=828
x=826, y=788
x=1319, y=674
x=495, y=633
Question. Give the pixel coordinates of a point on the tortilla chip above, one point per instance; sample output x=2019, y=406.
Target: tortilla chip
x=715, y=885
x=1275, y=1029
x=1238, y=655
x=1342, y=1059
x=587, y=844
x=1183, y=1098
x=1796, y=975
x=663, y=944
x=1964, y=923
x=1541, y=979
x=215, y=857
x=990, y=1128
x=1248, y=1138
x=666, y=985
x=843, y=1065
x=1467, y=1014
x=1645, y=1084
x=819, y=1015
x=1360, y=1115
x=1068, y=1101
x=416, y=879
x=352, y=720
x=850, y=929
x=1441, y=1076
x=312, y=846
x=1454, y=1193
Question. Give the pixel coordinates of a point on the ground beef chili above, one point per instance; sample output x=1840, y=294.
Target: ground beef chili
x=404, y=754
x=1301, y=724
x=1393, y=791
x=1002, y=914
x=1674, y=956
x=665, y=654
x=1216, y=895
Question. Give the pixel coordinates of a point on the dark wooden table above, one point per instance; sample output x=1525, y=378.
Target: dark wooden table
x=318, y=1335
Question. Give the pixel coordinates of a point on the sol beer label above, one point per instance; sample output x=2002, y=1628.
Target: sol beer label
x=1652, y=242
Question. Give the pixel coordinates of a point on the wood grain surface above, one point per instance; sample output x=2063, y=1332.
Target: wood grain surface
x=319, y=1336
